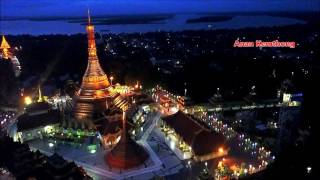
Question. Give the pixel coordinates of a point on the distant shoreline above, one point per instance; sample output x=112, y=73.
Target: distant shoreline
x=123, y=20
x=205, y=19
x=141, y=23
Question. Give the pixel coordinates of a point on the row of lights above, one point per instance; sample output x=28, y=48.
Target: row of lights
x=229, y=132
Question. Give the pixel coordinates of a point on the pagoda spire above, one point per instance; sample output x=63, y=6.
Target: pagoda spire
x=4, y=43
x=89, y=17
x=92, y=50
x=95, y=85
x=5, y=47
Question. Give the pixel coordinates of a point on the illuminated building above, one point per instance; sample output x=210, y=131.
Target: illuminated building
x=292, y=99
x=187, y=138
x=94, y=91
x=39, y=118
x=119, y=101
x=127, y=153
x=122, y=90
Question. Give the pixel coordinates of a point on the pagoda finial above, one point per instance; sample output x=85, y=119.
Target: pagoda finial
x=89, y=17
x=39, y=94
x=124, y=120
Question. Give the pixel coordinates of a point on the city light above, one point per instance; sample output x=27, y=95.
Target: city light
x=51, y=144
x=172, y=144
x=309, y=169
x=221, y=150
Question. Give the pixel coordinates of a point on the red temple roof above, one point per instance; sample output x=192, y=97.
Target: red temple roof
x=202, y=140
x=127, y=153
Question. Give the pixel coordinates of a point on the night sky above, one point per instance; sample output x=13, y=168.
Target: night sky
x=12, y=8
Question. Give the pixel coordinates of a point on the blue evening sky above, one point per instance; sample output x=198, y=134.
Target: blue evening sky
x=11, y=8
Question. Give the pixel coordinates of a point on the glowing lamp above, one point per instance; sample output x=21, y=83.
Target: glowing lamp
x=221, y=150
x=27, y=100
x=245, y=171
x=99, y=93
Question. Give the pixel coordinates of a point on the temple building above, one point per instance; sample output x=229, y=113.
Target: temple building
x=189, y=139
x=127, y=153
x=94, y=91
x=39, y=117
x=6, y=53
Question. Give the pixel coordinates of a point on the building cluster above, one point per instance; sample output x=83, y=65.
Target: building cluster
x=113, y=114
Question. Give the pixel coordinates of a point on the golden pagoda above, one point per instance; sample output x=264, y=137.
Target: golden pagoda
x=5, y=48
x=94, y=91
